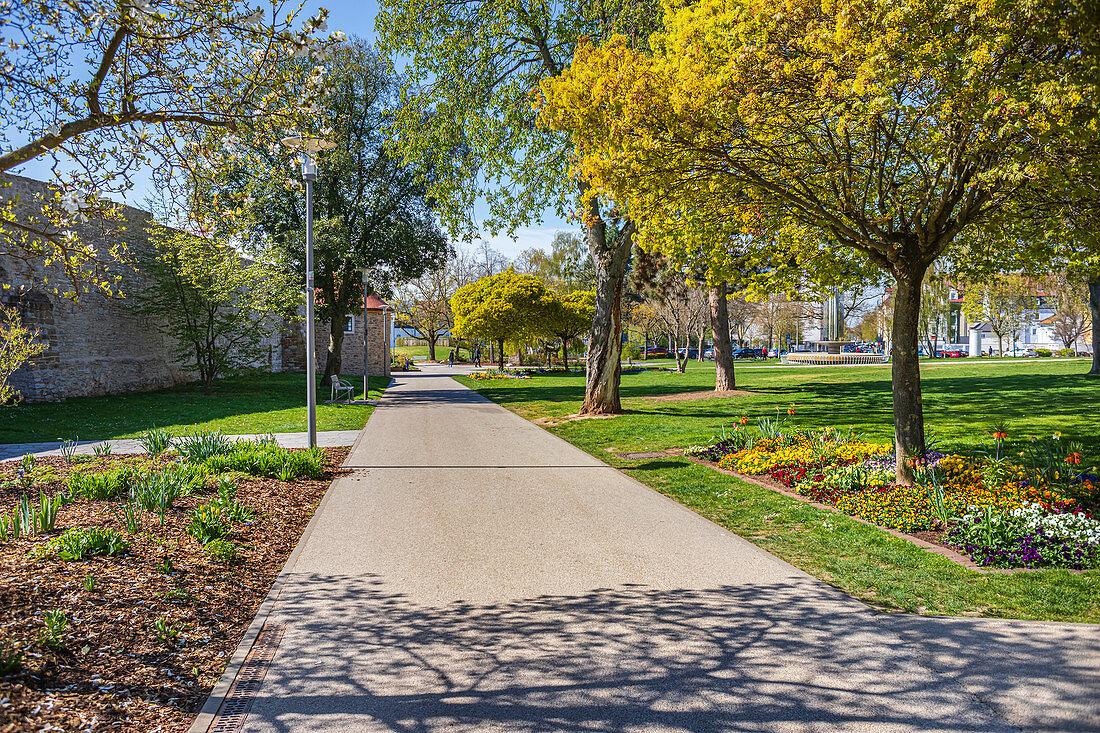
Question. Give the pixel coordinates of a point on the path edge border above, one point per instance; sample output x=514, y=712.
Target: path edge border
x=209, y=711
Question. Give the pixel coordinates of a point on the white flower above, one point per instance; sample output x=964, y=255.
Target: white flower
x=254, y=18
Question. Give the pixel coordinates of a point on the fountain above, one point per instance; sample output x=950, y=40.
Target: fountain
x=831, y=349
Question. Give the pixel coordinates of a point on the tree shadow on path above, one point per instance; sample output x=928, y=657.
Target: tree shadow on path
x=783, y=657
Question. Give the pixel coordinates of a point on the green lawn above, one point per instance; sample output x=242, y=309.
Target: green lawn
x=262, y=403
x=962, y=400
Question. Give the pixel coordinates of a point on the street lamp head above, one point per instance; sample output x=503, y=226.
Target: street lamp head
x=308, y=143
x=307, y=146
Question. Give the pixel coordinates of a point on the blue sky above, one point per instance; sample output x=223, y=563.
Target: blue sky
x=357, y=18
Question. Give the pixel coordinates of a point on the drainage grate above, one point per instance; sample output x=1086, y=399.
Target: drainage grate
x=235, y=707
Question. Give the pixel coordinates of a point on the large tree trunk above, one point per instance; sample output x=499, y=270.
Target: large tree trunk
x=720, y=331
x=565, y=352
x=500, y=354
x=1094, y=311
x=905, y=378
x=605, y=346
x=335, y=347
x=431, y=347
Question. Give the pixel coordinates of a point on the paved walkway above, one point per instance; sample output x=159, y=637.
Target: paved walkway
x=477, y=573
x=325, y=439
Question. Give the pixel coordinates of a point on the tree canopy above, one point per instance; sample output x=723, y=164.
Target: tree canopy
x=371, y=211
x=836, y=128
x=105, y=88
x=503, y=307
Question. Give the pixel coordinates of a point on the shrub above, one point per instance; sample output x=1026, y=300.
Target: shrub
x=1043, y=352
x=100, y=486
x=207, y=524
x=81, y=542
x=156, y=441
x=222, y=551
x=201, y=446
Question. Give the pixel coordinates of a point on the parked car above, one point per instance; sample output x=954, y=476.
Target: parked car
x=692, y=353
x=708, y=354
x=658, y=354
x=745, y=352
x=953, y=354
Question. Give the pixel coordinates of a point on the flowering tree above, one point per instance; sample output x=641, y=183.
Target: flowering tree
x=878, y=131
x=18, y=345
x=107, y=88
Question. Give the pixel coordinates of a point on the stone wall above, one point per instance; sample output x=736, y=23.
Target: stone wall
x=101, y=345
x=98, y=345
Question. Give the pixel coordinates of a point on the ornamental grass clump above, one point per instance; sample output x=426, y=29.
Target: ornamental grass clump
x=202, y=446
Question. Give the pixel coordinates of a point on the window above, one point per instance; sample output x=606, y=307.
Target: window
x=349, y=324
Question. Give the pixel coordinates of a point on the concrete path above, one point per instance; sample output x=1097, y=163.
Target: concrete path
x=325, y=439
x=475, y=572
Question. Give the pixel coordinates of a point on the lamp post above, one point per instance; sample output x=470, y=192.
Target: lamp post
x=366, y=364
x=307, y=147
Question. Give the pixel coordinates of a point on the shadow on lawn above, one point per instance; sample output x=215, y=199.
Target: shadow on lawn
x=790, y=656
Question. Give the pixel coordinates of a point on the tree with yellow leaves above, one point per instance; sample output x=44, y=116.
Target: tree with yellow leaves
x=840, y=127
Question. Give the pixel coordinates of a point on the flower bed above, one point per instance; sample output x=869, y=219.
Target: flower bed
x=1038, y=511
x=126, y=581
x=494, y=374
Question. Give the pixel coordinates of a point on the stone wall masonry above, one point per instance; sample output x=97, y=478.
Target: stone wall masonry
x=99, y=345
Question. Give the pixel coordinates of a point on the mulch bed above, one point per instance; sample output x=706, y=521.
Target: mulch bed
x=111, y=669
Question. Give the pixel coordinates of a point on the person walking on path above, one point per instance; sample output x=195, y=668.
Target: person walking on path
x=477, y=357
x=451, y=361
